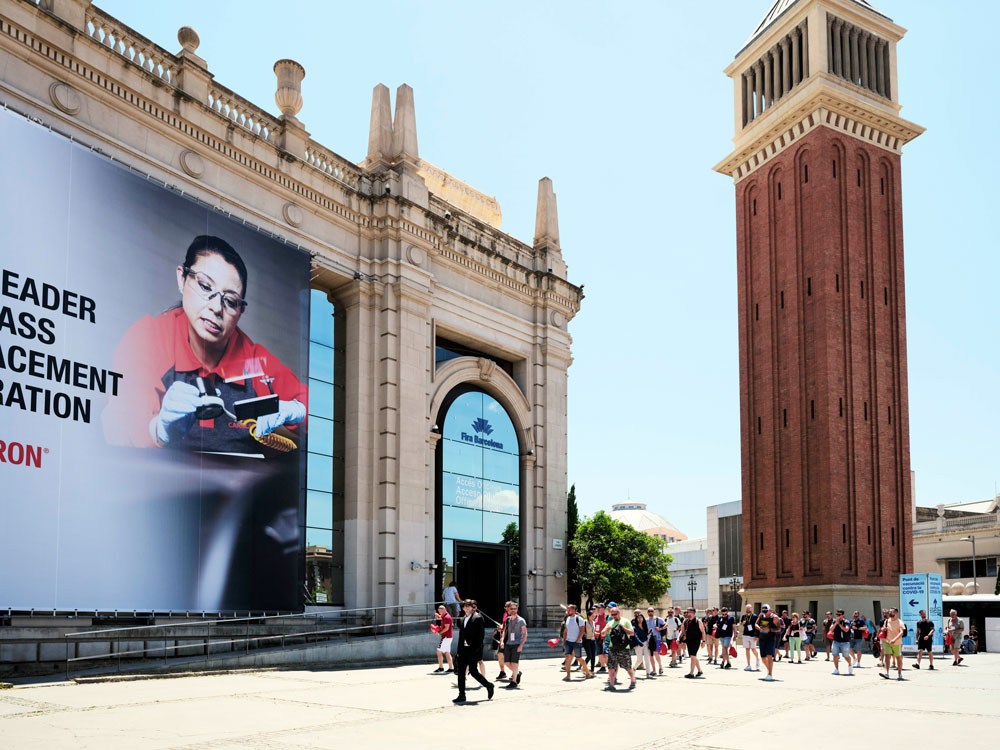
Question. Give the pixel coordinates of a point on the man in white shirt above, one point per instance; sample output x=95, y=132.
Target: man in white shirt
x=573, y=630
x=671, y=634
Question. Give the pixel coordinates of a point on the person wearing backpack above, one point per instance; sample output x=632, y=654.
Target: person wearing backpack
x=573, y=629
x=618, y=631
x=656, y=628
x=769, y=628
x=748, y=624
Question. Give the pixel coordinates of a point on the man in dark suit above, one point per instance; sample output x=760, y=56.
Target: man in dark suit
x=472, y=631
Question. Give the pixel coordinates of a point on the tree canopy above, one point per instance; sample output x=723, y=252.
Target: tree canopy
x=614, y=561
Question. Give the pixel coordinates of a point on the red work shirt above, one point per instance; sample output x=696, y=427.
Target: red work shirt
x=445, y=630
x=154, y=353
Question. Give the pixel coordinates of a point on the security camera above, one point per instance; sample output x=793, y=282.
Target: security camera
x=447, y=215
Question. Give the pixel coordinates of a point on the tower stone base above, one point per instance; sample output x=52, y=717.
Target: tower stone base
x=868, y=600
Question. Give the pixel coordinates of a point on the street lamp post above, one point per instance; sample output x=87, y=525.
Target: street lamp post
x=734, y=586
x=975, y=578
x=692, y=585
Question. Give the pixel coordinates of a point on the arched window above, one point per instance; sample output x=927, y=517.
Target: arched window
x=479, y=476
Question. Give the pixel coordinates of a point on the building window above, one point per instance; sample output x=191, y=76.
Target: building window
x=319, y=542
x=446, y=349
x=480, y=472
x=986, y=567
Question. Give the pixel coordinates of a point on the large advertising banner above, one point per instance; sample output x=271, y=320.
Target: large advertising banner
x=153, y=355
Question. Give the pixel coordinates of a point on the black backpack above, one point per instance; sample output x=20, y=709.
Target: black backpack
x=619, y=638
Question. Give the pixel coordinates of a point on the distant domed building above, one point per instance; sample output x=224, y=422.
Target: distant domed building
x=636, y=516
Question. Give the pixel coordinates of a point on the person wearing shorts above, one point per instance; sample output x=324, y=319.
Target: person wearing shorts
x=925, y=640
x=620, y=649
x=749, y=634
x=859, y=627
x=841, y=642
x=444, y=645
x=808, y=635
x=892, y=646
x=769, y=629
x=600, y=620
x=670, y=636
x=724, y=628
x=694, y=634
x=573, y=629
x=515, y=636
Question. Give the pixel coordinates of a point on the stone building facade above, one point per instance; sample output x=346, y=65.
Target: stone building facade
x=411, y=258
x=824, y=415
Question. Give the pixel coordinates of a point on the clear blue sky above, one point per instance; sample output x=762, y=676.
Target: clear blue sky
x=626, y=108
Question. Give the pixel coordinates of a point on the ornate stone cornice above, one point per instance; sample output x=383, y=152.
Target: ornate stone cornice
x=825, y=103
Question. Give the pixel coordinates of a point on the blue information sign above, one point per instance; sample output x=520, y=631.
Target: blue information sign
x=920, y=591
x=912, y=599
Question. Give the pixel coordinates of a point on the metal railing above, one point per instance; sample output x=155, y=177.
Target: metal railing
x=301, y=629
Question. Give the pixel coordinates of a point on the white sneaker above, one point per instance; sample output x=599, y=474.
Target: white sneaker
x=836, y=671
x=769, y=678
x=850, y=669
x=748, y=668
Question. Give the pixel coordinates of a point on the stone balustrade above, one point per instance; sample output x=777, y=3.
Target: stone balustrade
x=133, y=47
x=242, y=113
x=332, y=165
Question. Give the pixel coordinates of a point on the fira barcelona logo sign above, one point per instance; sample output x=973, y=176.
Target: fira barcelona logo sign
x=483, y=430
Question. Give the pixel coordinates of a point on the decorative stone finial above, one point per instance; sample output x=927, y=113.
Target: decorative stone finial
x=546, y=215
x=380, y=129
x=188, y=38
x=404, y=126
x=288, y=97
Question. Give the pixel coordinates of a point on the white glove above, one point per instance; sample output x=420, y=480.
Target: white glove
x=176, y=415
x=289, y=412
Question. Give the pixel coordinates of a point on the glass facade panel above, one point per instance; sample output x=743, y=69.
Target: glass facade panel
x=462, y=523
x=319, y=506
x=320, y=399
x=494, y=525
x=319, y=437
x=320, y=472
x=462, y=491
x=480, y=481
x=320, y=362
x=319, y=509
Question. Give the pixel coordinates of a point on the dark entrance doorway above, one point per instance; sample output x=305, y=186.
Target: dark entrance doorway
x=482, y=573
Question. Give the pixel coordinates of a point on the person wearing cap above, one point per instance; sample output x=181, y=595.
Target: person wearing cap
x=618, y=631
x=724, y=628
x=670, y=632
x=573, y=630
x=841, y=642
x=827, y=624
x=808, y=635
x=769, y=627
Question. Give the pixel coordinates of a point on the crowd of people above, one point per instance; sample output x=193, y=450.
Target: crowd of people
x=607, y=642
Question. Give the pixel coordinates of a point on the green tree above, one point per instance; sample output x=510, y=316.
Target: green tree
x=574, y=591
x=512, y=537
x=614, y=561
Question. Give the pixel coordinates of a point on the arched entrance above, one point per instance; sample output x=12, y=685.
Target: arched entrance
x=478, y=492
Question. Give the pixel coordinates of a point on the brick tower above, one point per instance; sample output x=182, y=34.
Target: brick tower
x=823, y=396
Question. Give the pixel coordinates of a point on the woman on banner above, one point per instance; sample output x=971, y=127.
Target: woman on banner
x=188, y=371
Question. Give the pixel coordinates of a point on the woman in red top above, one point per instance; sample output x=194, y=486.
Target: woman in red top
x=178, y=365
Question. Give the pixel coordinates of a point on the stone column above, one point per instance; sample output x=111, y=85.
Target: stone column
x=835, y=54
x=879, y=69
x=786, y=66
x=805, y=52
x=863, y=54
x=768, y=80
x=758, y=86
x=886, y=66
x=872, y=76
x=796, y=52
x=853, y=43
x=747, y=97
x=845, y=51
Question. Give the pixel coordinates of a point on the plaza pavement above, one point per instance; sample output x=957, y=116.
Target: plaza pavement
x=408, y=707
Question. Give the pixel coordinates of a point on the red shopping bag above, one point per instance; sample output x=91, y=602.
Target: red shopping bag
x=829, y=634
x=948, y=640
x=663, y=648
x=732, y=651
x=435, y=628
x=553, y=642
